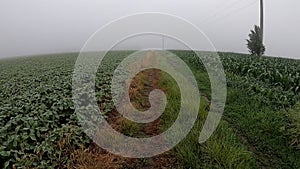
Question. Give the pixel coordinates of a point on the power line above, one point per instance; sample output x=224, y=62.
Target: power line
x=221, y=10
x=232, y=12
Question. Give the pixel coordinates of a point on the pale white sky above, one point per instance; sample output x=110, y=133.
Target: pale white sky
x=53, y=26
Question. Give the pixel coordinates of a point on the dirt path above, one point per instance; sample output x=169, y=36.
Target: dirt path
x=140, y=87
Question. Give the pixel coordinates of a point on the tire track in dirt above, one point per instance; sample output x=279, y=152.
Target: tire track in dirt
x=140, y=88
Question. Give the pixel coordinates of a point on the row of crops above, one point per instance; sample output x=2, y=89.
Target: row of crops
x=35, y=105
x=260, y=107
x=38, y=127
x=276, y=80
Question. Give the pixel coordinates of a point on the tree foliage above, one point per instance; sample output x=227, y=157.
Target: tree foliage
x=254, y=43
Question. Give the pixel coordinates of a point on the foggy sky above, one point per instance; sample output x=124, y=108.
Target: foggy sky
x=53, y=26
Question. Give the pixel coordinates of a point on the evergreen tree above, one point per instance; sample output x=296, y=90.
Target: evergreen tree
x=254, y=43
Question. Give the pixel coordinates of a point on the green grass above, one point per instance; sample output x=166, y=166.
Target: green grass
x=36, y=113
x=262, y=127
x=293, y=128
x=222, y=150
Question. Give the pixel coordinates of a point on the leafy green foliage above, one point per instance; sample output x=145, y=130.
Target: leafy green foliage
x=254, y=43
x=258, y=89
x=293, y=128
x=35, y=100
x=56, y=150
x=37, y=111
x=263, y=128
x=38, y=127
x=276, y=81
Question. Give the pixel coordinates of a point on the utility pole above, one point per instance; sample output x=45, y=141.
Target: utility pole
x=163, y=42
x=262, y=21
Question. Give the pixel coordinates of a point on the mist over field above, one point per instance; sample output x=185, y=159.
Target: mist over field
x=139, y=84
x=41, y=27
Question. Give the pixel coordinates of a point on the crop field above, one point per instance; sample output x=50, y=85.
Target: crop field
x=260, y=127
